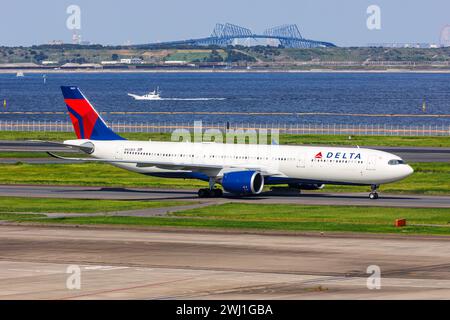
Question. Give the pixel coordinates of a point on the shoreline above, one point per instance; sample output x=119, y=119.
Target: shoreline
x=75, y=71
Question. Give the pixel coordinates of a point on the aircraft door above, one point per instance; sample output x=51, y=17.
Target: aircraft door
x=301, y=160
x=371, y=163
x=119, y=153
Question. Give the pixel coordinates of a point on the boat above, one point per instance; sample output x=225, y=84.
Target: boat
x=152, y=95
x=20, y=74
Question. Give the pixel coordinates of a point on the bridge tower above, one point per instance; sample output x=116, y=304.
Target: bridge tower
x=224, y=34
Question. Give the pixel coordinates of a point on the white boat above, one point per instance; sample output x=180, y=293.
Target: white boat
x=20, y=74
x=152, y=95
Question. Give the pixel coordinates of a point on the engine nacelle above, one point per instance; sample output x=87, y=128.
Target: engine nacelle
x=243, y=182
x=307, y=186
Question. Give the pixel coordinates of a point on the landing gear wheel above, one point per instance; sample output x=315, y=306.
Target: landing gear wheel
x=203, y=193
x=373, y=192
x=217, y=193
x=210, y=193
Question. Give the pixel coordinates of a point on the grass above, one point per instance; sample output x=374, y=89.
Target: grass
x=60, y=136
x=429, y=178
x=59, y=205
x=392, y=141
x=279, y=217
x=324, y=214
x=326, y=218
x=86, y=174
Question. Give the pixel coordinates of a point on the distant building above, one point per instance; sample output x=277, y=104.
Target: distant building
x=19, y=65
x=76, y=38
x=48, y=62
x=175, y=62
x=131, y=61
x=72, y=65
x=109, y=62
x=56, y=42
x=403, y=45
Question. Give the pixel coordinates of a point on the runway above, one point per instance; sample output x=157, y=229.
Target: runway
x=183, y=264
x=306, y=198
x=410, y=154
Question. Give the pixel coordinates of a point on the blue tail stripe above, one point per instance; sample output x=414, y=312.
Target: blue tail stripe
x=102, y=132
x=71, y=92
x=80, y=120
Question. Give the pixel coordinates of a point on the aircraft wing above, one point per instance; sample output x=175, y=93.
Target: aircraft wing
x=87, y=147
x=208, y=169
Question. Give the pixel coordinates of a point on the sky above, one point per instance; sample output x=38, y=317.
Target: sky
x=343, y=22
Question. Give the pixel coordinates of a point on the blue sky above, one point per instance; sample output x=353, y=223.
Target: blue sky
x=25, y=22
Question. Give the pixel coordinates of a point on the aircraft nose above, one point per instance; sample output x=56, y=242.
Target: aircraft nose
x=409, y=170
x=404, y=171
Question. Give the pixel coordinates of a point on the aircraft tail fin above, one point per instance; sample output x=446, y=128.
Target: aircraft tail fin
x=87, y=123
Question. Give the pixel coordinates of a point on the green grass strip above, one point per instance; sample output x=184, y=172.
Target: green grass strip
x=58, y=205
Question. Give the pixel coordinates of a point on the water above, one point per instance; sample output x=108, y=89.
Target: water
x=340, y=93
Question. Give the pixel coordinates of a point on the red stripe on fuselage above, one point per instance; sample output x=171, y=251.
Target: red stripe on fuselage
x=86, y=112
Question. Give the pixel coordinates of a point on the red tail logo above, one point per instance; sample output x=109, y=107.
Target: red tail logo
x=86, y=121
x=318, y=156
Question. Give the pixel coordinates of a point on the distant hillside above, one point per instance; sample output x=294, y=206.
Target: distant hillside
x=260, y=56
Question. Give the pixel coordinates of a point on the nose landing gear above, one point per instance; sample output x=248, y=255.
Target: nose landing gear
x=373, y=193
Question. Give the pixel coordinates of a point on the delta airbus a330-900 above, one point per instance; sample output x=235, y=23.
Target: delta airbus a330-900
x=241, y=169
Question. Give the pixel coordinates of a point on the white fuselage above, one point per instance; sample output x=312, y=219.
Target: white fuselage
x=314, y=164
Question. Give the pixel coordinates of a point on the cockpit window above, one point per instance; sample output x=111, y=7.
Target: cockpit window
x=396, y=161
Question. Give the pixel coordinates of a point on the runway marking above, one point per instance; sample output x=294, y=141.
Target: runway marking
x=103, y=268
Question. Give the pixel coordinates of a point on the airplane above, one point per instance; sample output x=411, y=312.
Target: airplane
x=241, y=169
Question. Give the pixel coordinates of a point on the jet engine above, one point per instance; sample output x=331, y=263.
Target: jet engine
x=243, y=182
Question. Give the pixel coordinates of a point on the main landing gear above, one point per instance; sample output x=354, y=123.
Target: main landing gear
x=210, y=192
x=373, y=193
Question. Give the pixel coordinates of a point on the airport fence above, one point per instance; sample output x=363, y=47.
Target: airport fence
x=283, y=128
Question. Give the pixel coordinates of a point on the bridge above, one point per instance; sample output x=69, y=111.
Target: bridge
x=226, y=34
